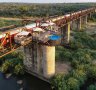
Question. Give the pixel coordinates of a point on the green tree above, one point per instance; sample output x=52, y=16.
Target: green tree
x=92, y=71
x=72, y=84
x=92, y=87
x=59, y=82
x=19, y=69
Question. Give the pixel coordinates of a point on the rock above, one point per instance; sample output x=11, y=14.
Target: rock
x=19, y=82
x=8, y=75
x=21, y=88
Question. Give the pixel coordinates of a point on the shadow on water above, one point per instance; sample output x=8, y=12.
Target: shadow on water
x=29, y=83
x=34, y=83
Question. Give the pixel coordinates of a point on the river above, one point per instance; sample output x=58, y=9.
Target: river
x=29, y=83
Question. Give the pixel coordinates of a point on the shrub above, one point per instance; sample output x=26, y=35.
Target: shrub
x=18, y=69
x=80, y=75
x=83, y=40
x=13, y=62
x=82, y=56
x=5, y=66
x=58, y=82
x=72, y=84
x=92, y=87
x=75, y=63
x=92, y=72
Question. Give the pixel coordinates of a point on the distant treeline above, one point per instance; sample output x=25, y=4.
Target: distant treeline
x=40, y=10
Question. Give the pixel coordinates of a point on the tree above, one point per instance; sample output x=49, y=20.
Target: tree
x=72, y=84
x=59, y=82
x=92, y=87
x=92, y=71
x=80, y=75
x=19, y=69
x=5, y=66
x=23, y=10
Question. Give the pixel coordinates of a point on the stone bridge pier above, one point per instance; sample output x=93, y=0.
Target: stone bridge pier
x=39, y=60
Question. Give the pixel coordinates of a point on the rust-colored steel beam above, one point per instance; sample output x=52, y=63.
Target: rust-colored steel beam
x=73, y=16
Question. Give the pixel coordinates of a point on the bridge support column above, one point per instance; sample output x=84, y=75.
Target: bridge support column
x=32, y=60
x=68, y=32
x=39, y=60
x=65, y=33
x=86, y=19
x=79, y=23
x=49, y=61
x=74, y=25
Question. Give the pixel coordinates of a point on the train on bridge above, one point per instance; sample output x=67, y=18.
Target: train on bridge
x=37, y=31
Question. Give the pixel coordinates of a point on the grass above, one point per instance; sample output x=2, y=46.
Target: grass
x=9, y=22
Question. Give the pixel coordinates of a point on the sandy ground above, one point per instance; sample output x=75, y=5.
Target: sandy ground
x=63, y=67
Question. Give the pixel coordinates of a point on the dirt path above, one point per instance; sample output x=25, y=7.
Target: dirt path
x=63, y=67
x=27, y=18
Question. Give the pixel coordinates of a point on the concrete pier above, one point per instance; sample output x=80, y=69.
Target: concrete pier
x=68, y=32
x=40, y=60
x=86, y=19
x=79, y=23
x=74, y=25
x=65, y=33
x=49, y=61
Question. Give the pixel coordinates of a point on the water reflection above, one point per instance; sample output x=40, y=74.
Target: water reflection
x=29, y=83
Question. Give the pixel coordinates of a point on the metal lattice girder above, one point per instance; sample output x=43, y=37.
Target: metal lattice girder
x=7, y=50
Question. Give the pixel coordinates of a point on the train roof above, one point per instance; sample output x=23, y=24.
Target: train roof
x=30, y=25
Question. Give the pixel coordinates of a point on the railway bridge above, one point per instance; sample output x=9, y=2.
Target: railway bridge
x=40, y=38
